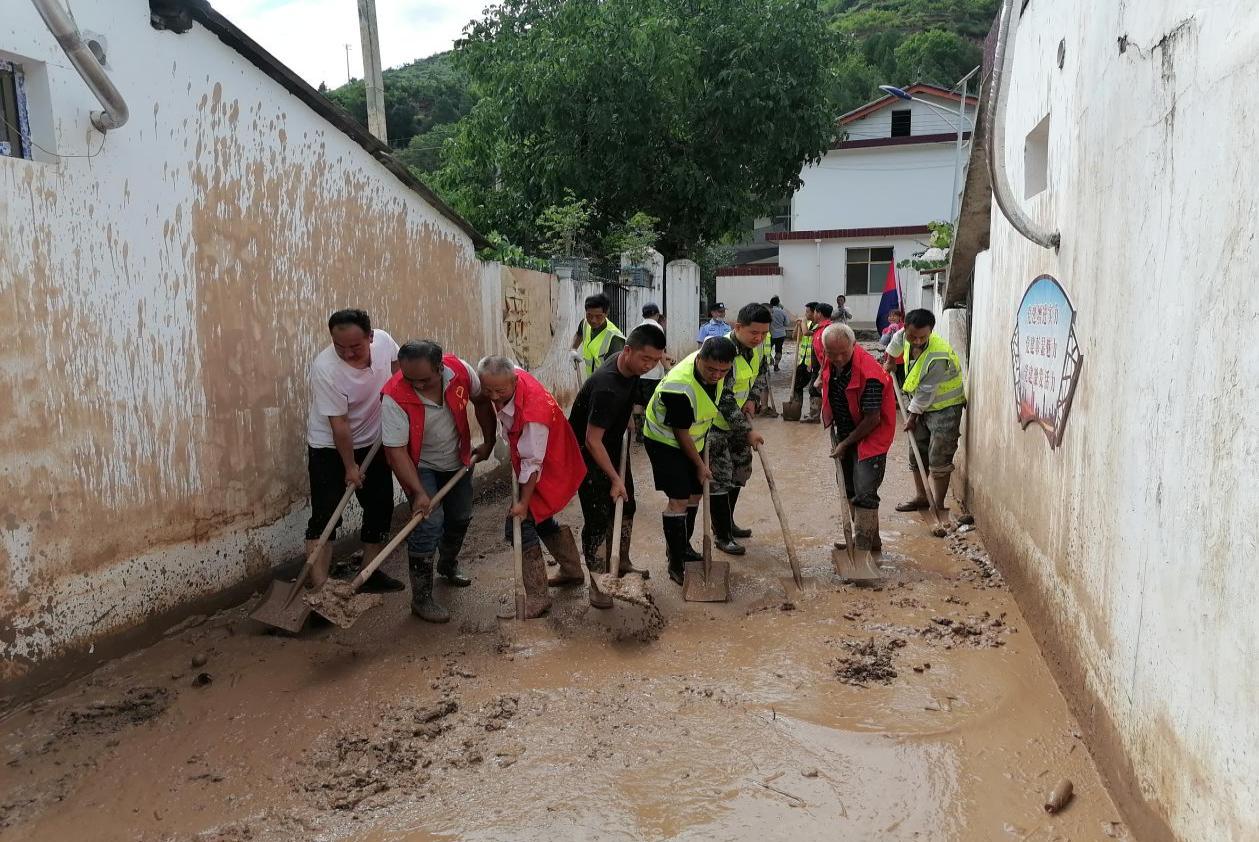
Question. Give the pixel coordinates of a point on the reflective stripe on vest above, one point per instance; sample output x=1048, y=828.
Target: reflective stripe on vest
x=681, y=380
x=950, y=392
x=593, y=349
x=744, y=376
x=804, y=355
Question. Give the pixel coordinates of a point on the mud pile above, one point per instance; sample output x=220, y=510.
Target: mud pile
x=984, y=573
x=340, y=604
x=982, y=631
x=867, y=662
x=137, y=705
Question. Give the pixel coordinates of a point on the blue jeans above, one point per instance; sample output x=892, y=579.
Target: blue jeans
x=452, y=514
x=531, y=534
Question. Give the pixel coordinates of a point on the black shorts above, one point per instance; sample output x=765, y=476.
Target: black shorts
x=674, y=473
x=327, y=484
x=646, y=388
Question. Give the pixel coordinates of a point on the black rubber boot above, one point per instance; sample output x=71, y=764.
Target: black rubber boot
x=692, y=513
x=448, y=555
x=736, y=530
x=675, y=545
x=422, y=604
x=722, y=539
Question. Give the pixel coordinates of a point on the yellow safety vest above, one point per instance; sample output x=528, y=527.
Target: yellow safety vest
x=744, y=376
x=805, y=352
x=949, y=393
x=594, y=349
x=681, y=380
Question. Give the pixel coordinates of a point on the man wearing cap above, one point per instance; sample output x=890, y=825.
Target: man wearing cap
x=716, y=324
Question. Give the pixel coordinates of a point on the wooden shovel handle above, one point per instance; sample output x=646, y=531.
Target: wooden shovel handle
x=614, y=550
x=409, y=527
x=708, y=538
x=782, y=516
x=921, y=461
x=517, y=553
x=327, y=530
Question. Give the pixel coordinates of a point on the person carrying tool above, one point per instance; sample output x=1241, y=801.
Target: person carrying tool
x=732, y=437
x=341, y=426
x=548, y=465
x=597, y=338
x=599, y=418
x=933, y=382
x=822, y=314
x=677, y=424
x=648, y=382
x=804, y=350
x=427, y=439
x=859, y=409
x=779, y=323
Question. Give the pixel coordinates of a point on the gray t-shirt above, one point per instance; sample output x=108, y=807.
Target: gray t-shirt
x=778, y=323
x=440, y=450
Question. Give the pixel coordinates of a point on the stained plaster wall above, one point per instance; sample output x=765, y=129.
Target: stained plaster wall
x=1133, y=545
x=164, y=299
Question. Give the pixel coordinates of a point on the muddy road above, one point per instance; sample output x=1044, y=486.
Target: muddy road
x=918, y=710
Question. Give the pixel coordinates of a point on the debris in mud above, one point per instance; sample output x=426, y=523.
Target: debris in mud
x=905, y=602
x=340, y=604
x=496, y=712
x=200, y=660
x=202, y=679
x=979, y=631
x=985, y=573
x=137, y=705
x=868, y=662
x=1059, y=797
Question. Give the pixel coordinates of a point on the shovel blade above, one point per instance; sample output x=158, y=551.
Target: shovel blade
x=860, y=567
x=791, y=410
x=629, y=588
x=696, y=587
x=338, y=602
x=281, y=608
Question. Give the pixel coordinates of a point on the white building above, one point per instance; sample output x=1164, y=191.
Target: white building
x=865, y=206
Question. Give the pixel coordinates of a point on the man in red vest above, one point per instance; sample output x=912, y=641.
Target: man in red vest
x=548, y=465
x=859, y=408
x=425, y=432
x=822, y=313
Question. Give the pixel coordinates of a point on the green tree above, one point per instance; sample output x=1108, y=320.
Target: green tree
x=935, y=56
x=699, y=113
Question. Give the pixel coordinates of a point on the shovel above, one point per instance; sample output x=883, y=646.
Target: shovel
x=630, y=589
x=793, y=590
x=793, y=407
x=340, y=602
x=279, y=606
x=770, y=410
x=846, y=561
x=707, y=580
x=941, y=529
x=518, y=563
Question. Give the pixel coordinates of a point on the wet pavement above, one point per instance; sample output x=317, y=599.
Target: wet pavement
x=918, y=709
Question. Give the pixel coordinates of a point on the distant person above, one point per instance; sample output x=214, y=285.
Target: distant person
x=342, y=425
x=779, y=324
x=841, y=313
x=598, y=339
x=804, y=351
x=822, y=312
x=648, y=382
x=716, y=324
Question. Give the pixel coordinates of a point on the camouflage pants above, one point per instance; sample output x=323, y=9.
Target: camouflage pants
x=730, y=460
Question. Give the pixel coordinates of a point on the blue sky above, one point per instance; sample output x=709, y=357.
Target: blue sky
x=310, y=35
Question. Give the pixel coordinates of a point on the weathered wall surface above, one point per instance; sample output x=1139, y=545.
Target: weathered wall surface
x=164, y=299
x=1136, y=540
x=737, y=290
x=817, y=272
x=680, y=302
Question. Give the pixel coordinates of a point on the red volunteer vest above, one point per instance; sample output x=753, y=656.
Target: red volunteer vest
x=819, y=351
x=458, y=393
x=563, y=469
x=864, y=368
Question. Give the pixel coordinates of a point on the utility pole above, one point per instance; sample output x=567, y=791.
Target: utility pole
x=373, y=79
x=348, y=77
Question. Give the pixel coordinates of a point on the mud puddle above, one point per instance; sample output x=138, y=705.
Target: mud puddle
x=730, y=723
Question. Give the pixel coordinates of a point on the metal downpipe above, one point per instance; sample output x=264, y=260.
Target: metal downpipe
x=66, y=31
x=994, y=130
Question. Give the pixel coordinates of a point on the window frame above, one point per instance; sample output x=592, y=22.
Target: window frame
x=19, y=108
x=865, y=258
x=907, y=116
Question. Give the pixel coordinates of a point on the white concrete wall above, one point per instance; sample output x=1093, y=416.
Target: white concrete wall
x=737, y=290
x=1138, y=537
x=680, y=302
x=816, y=272
x=164, y=299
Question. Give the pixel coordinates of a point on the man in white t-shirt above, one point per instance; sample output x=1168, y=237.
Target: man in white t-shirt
x=428, y=439
x=648, y=382
x=343, y=424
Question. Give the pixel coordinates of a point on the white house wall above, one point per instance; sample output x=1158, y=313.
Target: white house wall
x=1135, y=542
x=164, y=299
x=737, y=290
x=817, y=272
x=924, y=120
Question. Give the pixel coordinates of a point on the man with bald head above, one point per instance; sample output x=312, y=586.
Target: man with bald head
x=859, y=409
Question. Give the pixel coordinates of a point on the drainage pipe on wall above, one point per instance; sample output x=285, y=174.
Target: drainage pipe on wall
x=64, y=29
x=994, y=131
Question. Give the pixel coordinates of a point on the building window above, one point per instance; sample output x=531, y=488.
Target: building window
x=15, y=131
x=901, y=123
x=867, y=270
x=1036, y=159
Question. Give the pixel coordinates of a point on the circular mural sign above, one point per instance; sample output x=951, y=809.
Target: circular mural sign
x=1046, y=358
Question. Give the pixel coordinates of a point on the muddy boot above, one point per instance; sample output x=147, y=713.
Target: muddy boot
x=736, y=530
x=920, y=502
x=598, y=599
x=564, y=549
x=379, y=581
x=866, y=535
x=537, y=602
x=675, y=544
x=323, y=564
x=815, y=411
x=722, y=539
x=422, y=604
x=448, y=555
x=842, y=544
x=692, y=514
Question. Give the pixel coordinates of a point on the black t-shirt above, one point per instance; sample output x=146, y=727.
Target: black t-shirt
x=605, y=400
x=678, y=413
